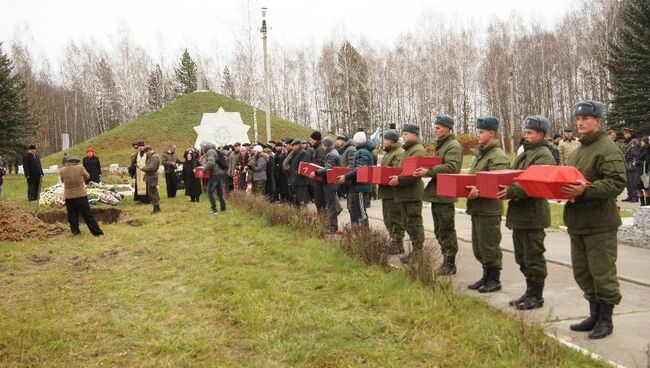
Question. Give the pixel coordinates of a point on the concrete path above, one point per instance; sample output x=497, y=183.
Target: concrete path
x=564, y=304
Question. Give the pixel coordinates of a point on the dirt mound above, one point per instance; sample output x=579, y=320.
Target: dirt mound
x=17, y=225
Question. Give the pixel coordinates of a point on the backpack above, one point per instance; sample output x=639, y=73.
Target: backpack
x=221, y=160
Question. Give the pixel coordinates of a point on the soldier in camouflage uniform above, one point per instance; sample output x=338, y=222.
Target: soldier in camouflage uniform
x=592, y=218
x=392, y=209
x=529, y=216
x=442, y=208
x=486, y=212
x=408, y=193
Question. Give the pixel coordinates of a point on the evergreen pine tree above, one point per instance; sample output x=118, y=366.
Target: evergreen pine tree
x=14, y=118
x=228, y=85
x=186, y=74
x=629, y=67
x=155, y=88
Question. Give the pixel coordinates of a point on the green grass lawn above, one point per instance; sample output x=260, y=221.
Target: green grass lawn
x=184, y=289
x=173, y=124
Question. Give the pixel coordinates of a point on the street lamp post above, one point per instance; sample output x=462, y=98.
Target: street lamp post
x=266, y=77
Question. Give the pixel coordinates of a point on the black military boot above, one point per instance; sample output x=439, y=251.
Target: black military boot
x=493, y=282
x=588, y=323
x=156, y=208
x=448, y=266
x=604, y=326
x=480, y=282
x=534, y=299
x=521, y=298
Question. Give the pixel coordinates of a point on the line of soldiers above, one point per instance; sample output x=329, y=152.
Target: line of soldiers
x=592, y=218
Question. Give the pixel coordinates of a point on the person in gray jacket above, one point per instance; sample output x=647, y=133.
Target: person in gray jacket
x=215, y=164
x=348, y=151
x=257, y=165
x=332, y=205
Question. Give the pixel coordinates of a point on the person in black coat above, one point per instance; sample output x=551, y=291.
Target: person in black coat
x=92, y=165
x=192, y=183
x=33, y=172
x=298, y=183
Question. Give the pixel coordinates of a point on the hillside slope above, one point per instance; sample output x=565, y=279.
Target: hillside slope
x=173, y=124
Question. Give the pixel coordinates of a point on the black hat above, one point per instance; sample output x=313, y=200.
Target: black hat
x=487, y=123
x=237, y=144
x=392, y=126
x=588, y=108
x=444, y=120
x=271, y=143
x=315, y=135
x=392, y=134
x=629, y=129
x=295, y=142
x=31, y=147
x=538, y=123
x=343, y=137
x=568, y=130
x=288, y=140
x=246, y=145
x=279, y=144
x=556, y=136
x=411, y=128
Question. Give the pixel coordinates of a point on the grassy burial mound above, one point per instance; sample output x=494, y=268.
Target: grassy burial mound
x=174, y=123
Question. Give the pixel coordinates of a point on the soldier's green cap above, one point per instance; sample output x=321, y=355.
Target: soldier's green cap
x=444, y=120
x=588, y=108
x=392, y=134
x=71, y=159
x=487, y=123
x=411, y=128
x=538, y=123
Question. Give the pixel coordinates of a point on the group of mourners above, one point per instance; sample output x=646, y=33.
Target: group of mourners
x=272, y=170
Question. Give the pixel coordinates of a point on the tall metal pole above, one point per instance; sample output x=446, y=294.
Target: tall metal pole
x=266, y=77
x=511, y=79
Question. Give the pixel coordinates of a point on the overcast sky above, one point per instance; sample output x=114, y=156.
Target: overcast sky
x=165, y=26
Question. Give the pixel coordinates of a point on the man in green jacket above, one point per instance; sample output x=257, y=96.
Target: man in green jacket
x=392, y=210
x=486, y=212
x=408, y=193
x=529, y=216
x=442, y=208
x=592, y=218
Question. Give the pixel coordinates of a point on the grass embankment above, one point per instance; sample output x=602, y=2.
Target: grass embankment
x=173, y=125
x=186, y=289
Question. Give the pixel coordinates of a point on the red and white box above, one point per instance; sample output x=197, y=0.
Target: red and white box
x=454, y=185
x=546, y=181
x=364, y=174
x=381, y=174
x=488, y=182
x=305, y=168
x=335, y=172
x=410, y=164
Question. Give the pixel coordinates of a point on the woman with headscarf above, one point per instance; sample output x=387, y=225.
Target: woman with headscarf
x=192, y=183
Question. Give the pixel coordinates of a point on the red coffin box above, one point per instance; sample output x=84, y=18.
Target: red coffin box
x=381, y=174
x=335, y=172
x=410, y=164
x=200, y=174
x=546, y=181
x=364, y=174
x=306, y=168
x=488, y=181
x=454, y=185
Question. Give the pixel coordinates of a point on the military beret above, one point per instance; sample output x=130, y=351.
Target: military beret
x=487, y=123
x=411, y=128
x=538, y=123
x=588, y=108
x=392, y=134
x=444, y=120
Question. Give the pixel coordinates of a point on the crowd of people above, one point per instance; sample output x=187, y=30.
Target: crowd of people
x=272, y=170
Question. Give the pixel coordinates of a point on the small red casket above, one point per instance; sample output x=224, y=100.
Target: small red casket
x=454, y=185
x=200, y=174
x=335, y=172
x=410, y=164
x=381, y=174
x=306, y=168
x=546, y=181
x=488, y=181
x=364, y=174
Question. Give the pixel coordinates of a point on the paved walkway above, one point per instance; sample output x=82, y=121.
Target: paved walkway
x=563, y=299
